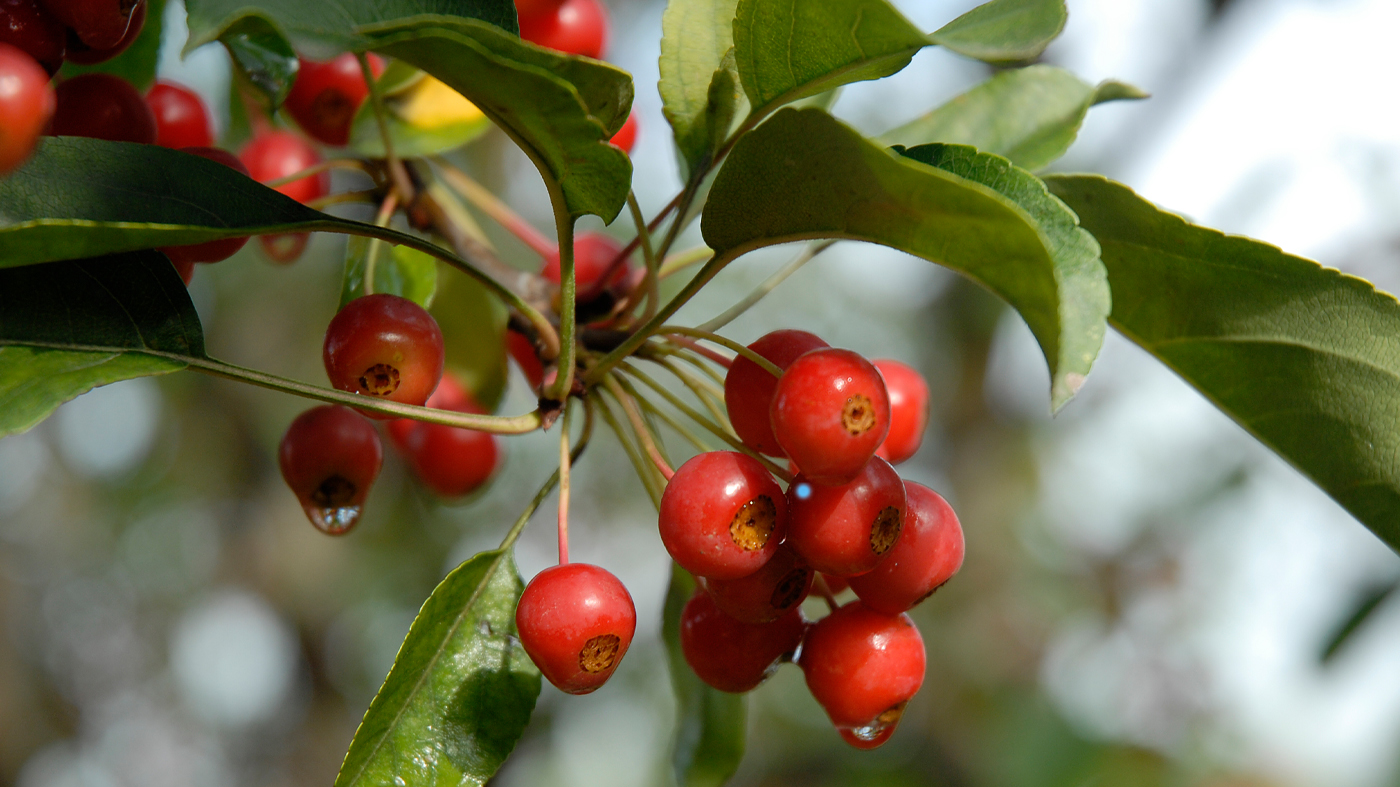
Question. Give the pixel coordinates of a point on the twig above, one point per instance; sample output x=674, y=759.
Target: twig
x=769, y=284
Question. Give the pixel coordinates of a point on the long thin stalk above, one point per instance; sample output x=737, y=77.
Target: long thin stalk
x=768, y=285
x=564, y=466
x=492, y=206
x=386, y=212
x=651, y=283
x=763, y=363
x=670, y=420
x=681, y=260
x=568, y=296
x=548, y=486
x=645, y=472
x=322, y=166
x=397, y=173
x=697, y=387
x=639, y=427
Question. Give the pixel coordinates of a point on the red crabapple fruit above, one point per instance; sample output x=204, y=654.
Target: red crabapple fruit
x=748, y=387
x=847, y=530
x=326, y=96
x=733, y=656
x=830, y=412
x=908, y=410
x=28, y=26
x=26, y=104
x=330, y=456
x=929, y=552
x=448, y=460
x=100, y=24
x=182, y=120
x=575, y=622
x=102, y=106
x=593, y=255
x=722, y=515
x=577, y=27
x=768, y=593
x=81, y=53
x=626, y=136
x=386, y=347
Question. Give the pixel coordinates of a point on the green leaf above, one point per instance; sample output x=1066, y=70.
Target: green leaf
x=398, y=270
x=1362, y=610
x=1306, y=358
x=699, y=84
x=425, y=116
x=710, y=725
x=803, y=174
x=473, y=323
x=1081, y=283
x=561, y=110
x=137, y=64
x=461, y=689
x=262, y=57
x=323, y=28
x=1004, y=32
x=1029, y=115
x=78, y=197
x=67, y=327
x=790, y=49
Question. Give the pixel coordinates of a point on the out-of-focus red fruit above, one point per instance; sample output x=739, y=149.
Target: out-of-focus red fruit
x=523, y=351
x=82, y=54
x=26, y=104
x=329, y=457
x=100, y=24
x=626, y=136
x=450, y=461
x=908, y=411
x=102, y=106
x=182, y=121
x=284, y=249
x=593, y=254
x=214, y=250
x=273, y=155
x=326, y=95
x=577, y=27
x=29, y=27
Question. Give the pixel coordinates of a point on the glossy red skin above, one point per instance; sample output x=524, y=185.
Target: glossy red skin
x=182, y=121
x=328, y=441
x=593, y=254
x=80, y=53
x=860, y=663
x=807, y=413
x=326, y=96
x=214, y=250
x=626, y=137
x=452, y=462
x=578, y=27
x=274, y=154
x=701, y=501
x=100, y=24
x=383, y=329
x=730, y=655
x=929, y=552
x=284, y=249
x=28, y=26
x=748, y=387
x=523, y=351
x=768, y=593
x=908, y=393
x=527, y=7
x=102, y=106
x=26, y=104
x=563, y=608
x=830, y=527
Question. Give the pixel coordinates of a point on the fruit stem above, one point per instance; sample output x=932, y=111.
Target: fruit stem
x=320, y=203
x=651, y=284
x=322, y=166
x=712, y=399
x=763, y=363
x=564, y=465
x=812, y=250
x=645, y=472
x=627, y=250
x=684, y=259
x=493, y=206
x=701, y=350
x=568, y=294
x=824, y=590
x=670, y=420
x=397, y=173
x=582, y=442
x=639, y=426
x=386, y=211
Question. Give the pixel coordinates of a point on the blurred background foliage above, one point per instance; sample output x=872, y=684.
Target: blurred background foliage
x=1149, y=597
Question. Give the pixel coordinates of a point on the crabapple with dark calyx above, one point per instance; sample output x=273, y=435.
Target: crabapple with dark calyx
x=385, y=347
x=908, y=393
x=326, y=95
x=748, y=387
x=929, y=552
x=830, y=412
x=28, y=26
x=80, y=53
x=722, y=515
x=102, y=106
x=768, y=593
x=576, y=622
x=448, y=460
x=863, y=667
x=330, y=457
x=731, y=655
x=847, y=530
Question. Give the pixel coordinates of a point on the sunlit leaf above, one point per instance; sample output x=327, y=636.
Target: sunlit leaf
x=1004, y=32
x=699, y=83
x=461, y=690
x=1029, y=115
x=398, y=270
x=67, y=327
x=1304, y=357
x=425, y=116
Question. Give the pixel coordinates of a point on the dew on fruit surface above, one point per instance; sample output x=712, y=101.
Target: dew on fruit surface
x=333, y=520
x=599, y=654
x=380, y=379
x=885, y=530
x=858, y=416
x=880, y=726
x=754, y=523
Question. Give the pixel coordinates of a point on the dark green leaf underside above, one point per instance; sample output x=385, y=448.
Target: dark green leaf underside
x=67, y=327
x=325, y=26
x=1004, y=32
x=710, y=724
x=461, y=689
x=1304, y=357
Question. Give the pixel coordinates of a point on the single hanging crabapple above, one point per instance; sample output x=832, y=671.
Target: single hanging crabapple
x=577, y=27
x=722, y=515
x=272, y=155
x=214, y=250
x=182, y=121
x=768, y=593
x=863, y=667
x=730, y=655
x=830, y=412
x=929, y=552
x=326, y=95
x=80, y=53
x=593, y=254
x=748, y=387
x=28, y=26
x=847, y=530
x=908, y=410
x=102, y=106
x=450, y=461
x=26, y=104
x=626, y=136
x=385, y=347
x=330, y=457
x=576, y=621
